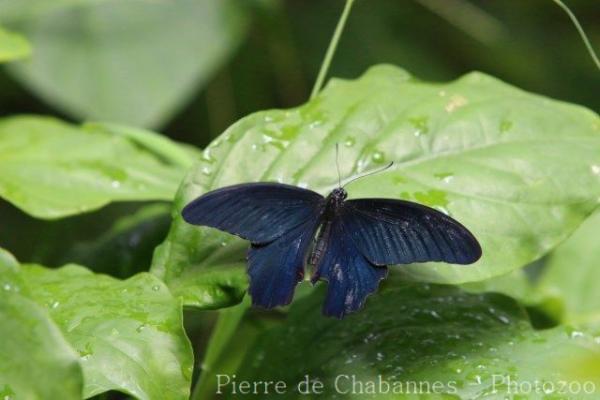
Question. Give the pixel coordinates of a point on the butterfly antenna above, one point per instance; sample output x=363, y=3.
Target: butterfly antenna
x=337, y=163
x=371, y=173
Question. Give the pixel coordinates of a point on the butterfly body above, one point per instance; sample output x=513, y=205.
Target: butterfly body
x=348, y=242
x=333, y=203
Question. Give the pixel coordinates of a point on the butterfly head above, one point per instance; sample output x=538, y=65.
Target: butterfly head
x=338, y=195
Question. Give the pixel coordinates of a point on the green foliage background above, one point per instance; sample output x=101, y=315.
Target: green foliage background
x=106, y=293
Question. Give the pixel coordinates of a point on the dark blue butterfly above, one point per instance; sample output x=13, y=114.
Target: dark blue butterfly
x=355, y=239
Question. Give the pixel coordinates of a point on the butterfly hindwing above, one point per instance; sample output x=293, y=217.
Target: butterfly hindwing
x=400, y=232
x=275, y=268
x=350, y=276
x=258, y=212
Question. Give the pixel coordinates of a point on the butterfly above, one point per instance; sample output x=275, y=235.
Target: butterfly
x=349, y=243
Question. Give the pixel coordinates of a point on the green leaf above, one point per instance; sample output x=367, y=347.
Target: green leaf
x=521, y=171
x=129, y=334
x=37, y=362
x=422, y=333
x=515, y=284
x=51, y=169
x=8, y=265
x=176, y=153
x=573, y=273
x=13, y=46
x=134, y=62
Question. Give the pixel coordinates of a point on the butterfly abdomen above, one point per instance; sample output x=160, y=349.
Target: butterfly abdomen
x=321, y=243
x=332, y=206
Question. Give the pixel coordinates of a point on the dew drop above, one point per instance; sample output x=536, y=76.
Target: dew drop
x=206, y=171
x=378, y=157
x=55, y=304
x=140, y=328
x=315, y=124
x=156, y=288
x=207, y=156
x=349, y=142
x=576, y=334
x=115, y=184
x=455, y=103
x=445, y=177
x=595, y=169
x=505, y=125
x=421, y=125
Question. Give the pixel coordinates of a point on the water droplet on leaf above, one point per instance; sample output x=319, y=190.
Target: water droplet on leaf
x=505, y=125
x=378, y=157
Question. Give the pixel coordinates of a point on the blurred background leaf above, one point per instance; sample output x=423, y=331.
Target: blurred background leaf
x=126, y=61
x=13, y=46
x=282, y=45
x=127, y=246
x=572, y=275
x=51, y=169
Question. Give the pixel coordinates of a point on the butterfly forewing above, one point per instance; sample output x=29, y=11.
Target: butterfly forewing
x=258, y=212
x=280, y=221
x=391, y=231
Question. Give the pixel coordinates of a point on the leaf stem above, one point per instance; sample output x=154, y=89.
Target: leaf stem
x=584, y=37
x=223, y=332
x=331, y=49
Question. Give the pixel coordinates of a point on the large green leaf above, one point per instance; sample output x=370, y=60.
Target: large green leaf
x=36, y=360
x=573, y=273
x=126, y=61
x=521, y=171
x=12, y=46
x=177, y=153
x=425, y=334
x=51, y=169
x=129, y=334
